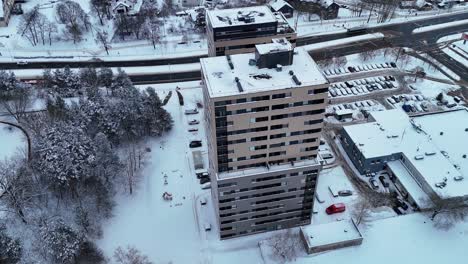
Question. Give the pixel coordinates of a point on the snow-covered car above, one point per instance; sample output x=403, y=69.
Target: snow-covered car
x=206, y=186
x=373, y=183
x=194, y=122
x=22, y=62
x=191, y=111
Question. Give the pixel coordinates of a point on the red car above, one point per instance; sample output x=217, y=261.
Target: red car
x=335, y=208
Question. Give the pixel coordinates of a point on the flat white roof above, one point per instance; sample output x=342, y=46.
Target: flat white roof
x=330, y=233
x=279, y=44
x=230, y=17
x=278, y=4
x=419, y=139
x=410, y=184
x=220, y=79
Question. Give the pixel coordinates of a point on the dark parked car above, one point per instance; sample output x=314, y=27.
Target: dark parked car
x=195, y=144
x=202, y=175
x=204, y=180
x=384, y=182
x=345, y=193
x=402, y=204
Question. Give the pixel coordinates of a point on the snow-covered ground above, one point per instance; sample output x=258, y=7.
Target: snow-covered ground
x=166, y=231
x=457, y=49
x=171, y=37
x=430, y=89
x=410, y=238
x=12, y=141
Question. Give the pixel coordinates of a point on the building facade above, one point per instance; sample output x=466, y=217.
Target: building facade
x=237, y=31
x=264, y=119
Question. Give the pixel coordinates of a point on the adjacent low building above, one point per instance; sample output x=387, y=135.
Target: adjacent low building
x=282, y=6
x=238, y=30
x=427, y=151
x=334, y=235
x=264, y=117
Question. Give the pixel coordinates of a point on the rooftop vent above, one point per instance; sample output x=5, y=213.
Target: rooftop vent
x=261, y=76
x=296, y=80
x=231, y=65
x=239, y=85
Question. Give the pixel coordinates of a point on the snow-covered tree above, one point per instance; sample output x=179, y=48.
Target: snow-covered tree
x=64, y=156
x=59, y=241
x=64, y=81
x=156, y=119
x=105, y=77
x=120, y=81
x=130, y=255
x=10, y=249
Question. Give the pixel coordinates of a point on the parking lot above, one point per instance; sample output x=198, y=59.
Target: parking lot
x=359, y=68
x=362, y=86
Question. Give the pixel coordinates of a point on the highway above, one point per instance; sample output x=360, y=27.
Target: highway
x=396, y=35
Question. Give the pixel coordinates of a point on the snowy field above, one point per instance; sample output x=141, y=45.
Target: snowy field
x=12, y=141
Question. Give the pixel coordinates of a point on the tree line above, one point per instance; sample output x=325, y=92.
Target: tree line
x=84, y=149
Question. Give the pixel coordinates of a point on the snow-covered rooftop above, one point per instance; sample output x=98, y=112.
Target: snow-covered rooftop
x=221, y=79
x=278, y=4
x=433, y=143
x=236, y=16
x=410, y=184
x=330, y=233
x=280, y=44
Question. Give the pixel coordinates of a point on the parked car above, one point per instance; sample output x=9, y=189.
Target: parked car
x=202, y=174
x=335, y=208
x=195, y=144
x=206, y=186
x=204, y=180
x=194, y=122
x=383, y=181
x=345, y=193
x=373, y=183
x=191, y=111
x=402, y=204
x=207, y=226
x=203, y=201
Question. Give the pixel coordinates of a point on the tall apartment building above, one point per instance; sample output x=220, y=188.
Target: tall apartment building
x=238, y=30
x=264, y=119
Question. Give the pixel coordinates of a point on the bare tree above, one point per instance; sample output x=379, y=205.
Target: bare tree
x=340, y=61
x=152, y=31
x=100, y=8
x=285, y=246
x=362, y=211
x=130, y=255
x=16, y=187
x=103, y=38
x=19, y=101
x=447, y=212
